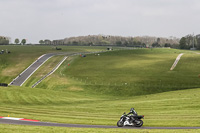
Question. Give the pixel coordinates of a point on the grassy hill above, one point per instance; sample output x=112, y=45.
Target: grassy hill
x=97, y=89
x=130, y=72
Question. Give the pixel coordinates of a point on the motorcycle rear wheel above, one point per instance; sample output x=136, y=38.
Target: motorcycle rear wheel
x=120, y=124
x=140, y=124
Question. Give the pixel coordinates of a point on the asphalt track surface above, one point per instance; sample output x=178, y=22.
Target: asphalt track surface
x=16, y=122
x=30, y=70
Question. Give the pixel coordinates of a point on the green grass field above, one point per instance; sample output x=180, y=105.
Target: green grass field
x=163, y=109
x=98, y=89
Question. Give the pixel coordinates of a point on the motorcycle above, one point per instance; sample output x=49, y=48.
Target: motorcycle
x=130, y=120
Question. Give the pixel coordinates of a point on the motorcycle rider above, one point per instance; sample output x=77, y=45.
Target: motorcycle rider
x=132, y=113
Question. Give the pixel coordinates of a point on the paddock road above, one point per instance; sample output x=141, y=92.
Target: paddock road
x=17, y=122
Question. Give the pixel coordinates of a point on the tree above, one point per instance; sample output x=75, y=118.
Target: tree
x=41, y=42
x=155, y=44
x=16, y=40
x=125, y=43
x=158, y=40
x=4, y=41
x=47, y=42
x=104, y=42
x=182, y=43
x=23, y=41
x=167, y=45
x=75, y=43
x=198, y=41
x=118, y=43
x=144, y=45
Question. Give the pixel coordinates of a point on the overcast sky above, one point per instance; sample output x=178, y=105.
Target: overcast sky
x=56, y=19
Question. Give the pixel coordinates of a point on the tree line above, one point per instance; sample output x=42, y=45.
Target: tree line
x=187, y=42
x=103, y=40
x=17, y=41
x=5, y=41
x=139, y=41
x=190, y=42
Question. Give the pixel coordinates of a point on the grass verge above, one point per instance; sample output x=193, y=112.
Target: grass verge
x=32, y=129
x=164, y=109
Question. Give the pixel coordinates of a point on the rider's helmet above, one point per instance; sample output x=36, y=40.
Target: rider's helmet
x=132, y=109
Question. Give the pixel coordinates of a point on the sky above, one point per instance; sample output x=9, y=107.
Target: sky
x=36, y=20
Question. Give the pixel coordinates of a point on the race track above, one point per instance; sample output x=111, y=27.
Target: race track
x=21, y=78
x=17, y=122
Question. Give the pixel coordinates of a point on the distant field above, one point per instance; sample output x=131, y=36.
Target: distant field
x=97, y=89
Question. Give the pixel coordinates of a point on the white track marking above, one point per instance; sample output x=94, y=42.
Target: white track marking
x=12, y=118
x=176, y=61
x=18, y=119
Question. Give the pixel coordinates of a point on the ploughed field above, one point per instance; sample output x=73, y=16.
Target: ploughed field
x=97, y=89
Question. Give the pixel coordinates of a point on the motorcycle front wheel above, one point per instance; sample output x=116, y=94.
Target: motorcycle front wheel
x=139, y=123
x=120, y=123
